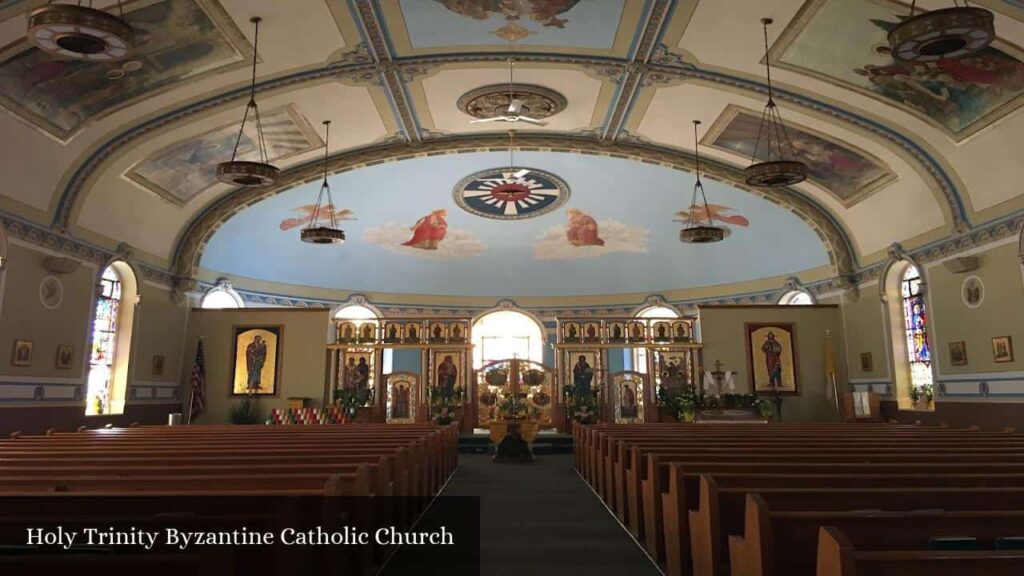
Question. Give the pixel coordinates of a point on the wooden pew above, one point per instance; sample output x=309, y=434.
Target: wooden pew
x=721, y=510
x=784, y=542
x=837, y=556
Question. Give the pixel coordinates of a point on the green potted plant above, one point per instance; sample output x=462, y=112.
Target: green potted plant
x=686, y=409
x=247, y=411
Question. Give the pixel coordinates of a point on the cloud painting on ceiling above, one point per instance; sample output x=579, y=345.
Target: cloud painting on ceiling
x=616, y=234
x=569, y=23
x=848, y=173
x=962, y=96
x=182, y=171
x=175, y=41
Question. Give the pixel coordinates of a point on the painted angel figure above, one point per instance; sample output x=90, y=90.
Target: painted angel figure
x=582, y=229
x=713, y=212
x=429, y=231
x=307, y=213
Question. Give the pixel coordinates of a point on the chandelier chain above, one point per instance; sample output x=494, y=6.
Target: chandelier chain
x=325, y=187
x=260, y=140
x=693, y=219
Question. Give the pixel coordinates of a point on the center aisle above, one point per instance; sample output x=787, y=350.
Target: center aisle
x=542, y=519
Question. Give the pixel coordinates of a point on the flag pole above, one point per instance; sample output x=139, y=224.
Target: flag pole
x=192, y=396
x=830, y=370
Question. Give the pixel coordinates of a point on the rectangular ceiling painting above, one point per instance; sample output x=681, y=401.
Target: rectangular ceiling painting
x=568, y=23
x=961, y=96
x=847, y=173
x=183, y=170
x=175, y=41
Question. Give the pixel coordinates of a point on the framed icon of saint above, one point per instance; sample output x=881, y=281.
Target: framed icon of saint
x=256, y=367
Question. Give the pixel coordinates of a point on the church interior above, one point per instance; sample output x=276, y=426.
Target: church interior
x=371, y=249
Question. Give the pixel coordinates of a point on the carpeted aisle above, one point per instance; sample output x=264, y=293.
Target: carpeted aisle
x=541, y=519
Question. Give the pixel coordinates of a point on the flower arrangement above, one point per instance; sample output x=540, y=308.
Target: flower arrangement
x=350, y=400
x=444, y=403
x=687, y=402
x=582, y=405
x=924, y=392
x=515, y=407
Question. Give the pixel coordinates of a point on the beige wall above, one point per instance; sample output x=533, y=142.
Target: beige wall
x=724, y=335
x=24, y=317
x=1001, y=312
x=159, y=330
x=303, y=355
x=865, y=332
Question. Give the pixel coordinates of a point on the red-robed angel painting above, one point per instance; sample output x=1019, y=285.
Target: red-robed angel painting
x=429, y=231
x=582, y=229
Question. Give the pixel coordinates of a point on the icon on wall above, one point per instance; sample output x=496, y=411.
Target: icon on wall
x=257, y=364
x=22, y=355
x=1002, y=349
x=65, y=356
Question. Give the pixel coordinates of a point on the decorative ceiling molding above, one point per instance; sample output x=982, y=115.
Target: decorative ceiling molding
x=633, y=72
x=360, y=64
x=390, y=72
x=193, y=240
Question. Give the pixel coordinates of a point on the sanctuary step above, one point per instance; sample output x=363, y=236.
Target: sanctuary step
x=547, y=443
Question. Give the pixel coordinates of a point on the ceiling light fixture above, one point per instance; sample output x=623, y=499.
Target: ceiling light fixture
x=315, y=233
x=515, y=111
x=772, y=168
x=947, y=33
x=80, y=32
x=698, y=230
x=243, y=172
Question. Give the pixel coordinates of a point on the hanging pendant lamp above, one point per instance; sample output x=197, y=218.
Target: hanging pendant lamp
x=243, y=172
x=769, y=167
x=80, y=32
x=947, y=33
x=700, y=230
x=316, y=233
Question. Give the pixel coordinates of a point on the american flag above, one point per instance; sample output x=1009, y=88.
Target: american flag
x=198, y=385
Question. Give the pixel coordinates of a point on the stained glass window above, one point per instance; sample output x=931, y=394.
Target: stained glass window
x=104, y=342
x=915, y=323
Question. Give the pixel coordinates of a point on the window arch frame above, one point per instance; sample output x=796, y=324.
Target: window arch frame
x=890, y=292
x=638, y=355
x=788, y=298
x=127, y=318
x=476, y=336
x=222, y=287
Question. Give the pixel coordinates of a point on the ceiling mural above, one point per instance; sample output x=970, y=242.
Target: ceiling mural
x=175, y=41
x=409, y=234
x=181, y=171
x=961, y=96
x=440, y=23
x=846, y=172
x=511, y=193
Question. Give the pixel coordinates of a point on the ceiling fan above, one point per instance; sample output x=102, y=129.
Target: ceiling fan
x=515, y=107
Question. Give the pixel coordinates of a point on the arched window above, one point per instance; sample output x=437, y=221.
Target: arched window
x=915, y=321
x=359, y=315
x=640, y=354
x=113, y=321
x=909, y=325
x=796, y=298
x=507, y=334
x=222, y=295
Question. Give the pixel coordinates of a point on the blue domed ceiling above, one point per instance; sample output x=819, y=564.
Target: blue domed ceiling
x=614, y=231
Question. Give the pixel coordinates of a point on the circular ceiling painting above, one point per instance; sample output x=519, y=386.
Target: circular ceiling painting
x=511, y=193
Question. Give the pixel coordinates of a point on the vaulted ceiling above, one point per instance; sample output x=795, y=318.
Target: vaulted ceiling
x=123, y=153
